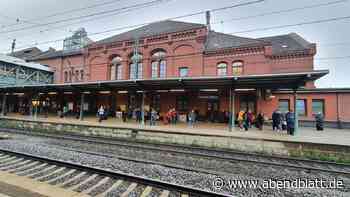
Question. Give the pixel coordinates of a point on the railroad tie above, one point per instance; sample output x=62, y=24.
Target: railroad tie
x=4, y=157
x=50, y=181
x=4, y=166
x=146, y=192
x=113, y=187
x=41, y=171
x=101, y=182
x=30, y=169
x=74, y=187
x=9, y=159
x=129, y=190
x=16, y=165
x=165, y=193
x=50, y=174
x=23, y=167
x=72, y=179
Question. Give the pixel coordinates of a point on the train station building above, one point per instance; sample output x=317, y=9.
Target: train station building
x=186, y=66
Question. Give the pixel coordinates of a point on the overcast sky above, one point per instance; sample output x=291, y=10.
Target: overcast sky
x=332, y=38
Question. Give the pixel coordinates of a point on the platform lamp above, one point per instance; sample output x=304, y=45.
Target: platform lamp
x=35, y=104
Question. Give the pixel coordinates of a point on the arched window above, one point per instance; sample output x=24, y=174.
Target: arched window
x=222, y=69
x=237, y=68
x=159, y=64
x=116, y=68
x=136, y=67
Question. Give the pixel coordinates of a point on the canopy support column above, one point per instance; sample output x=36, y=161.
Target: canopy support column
x=232, y=110
x=81, y=115
x=296, y=115
x=30, y=105
x=3, y=105
x=143, y=108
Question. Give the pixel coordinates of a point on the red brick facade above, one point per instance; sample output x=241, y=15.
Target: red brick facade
x=187, y=49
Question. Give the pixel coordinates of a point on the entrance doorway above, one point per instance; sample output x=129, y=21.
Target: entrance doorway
x=213, y=109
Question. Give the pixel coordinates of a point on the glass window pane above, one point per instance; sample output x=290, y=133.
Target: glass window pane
x=283, y=105
x=132, y=74
x=301, y=107
x=139, y=71
x=222, y=69
x=113, y=72
x=154, y=69
x=162, y=69
x=119, y=72
x=183, y=72
x=318, y=106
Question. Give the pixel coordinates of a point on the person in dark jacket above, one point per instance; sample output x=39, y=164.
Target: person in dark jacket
x=290, y=118
x=260, y=121
x=246, y=122
x=276, y=120
x=319, y=121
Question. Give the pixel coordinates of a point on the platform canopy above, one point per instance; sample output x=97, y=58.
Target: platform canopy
x=268, y=81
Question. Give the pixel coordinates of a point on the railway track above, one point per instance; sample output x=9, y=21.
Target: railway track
x=91, y=181
x=224, y=155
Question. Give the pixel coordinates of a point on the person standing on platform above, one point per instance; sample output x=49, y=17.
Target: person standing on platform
x=240, y=119
x=65, y=111
x=250, y=118
x=100, y=112
x=246, y=121
x=153, y=117
x=191, y=118
x=290, y=118
x=319, y=121
x=276, y=120
x=260, y=121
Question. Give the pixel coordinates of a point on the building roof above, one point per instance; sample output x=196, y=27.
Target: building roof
x=21, y=62
x=157, y=28
x=26, y=53
x=218, y=40
x=55, y=54
x=285, y=44
x=272, y=81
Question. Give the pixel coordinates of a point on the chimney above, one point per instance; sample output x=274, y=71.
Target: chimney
x=207, y=15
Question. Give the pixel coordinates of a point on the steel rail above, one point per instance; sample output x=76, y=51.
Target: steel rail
x=119, y=175
x=109, y=141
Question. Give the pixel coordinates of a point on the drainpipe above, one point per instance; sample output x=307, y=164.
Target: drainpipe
x=338, y=116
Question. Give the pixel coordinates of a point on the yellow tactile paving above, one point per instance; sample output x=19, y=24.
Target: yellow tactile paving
x=41, y=188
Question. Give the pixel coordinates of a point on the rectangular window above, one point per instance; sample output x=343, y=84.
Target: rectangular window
x=318, y=106
x=301, y=107
x=183, y=72
x=182, y=103
x=284, y=105
x=154, y=69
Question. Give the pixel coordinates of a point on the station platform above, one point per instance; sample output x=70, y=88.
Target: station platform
x=330, y=144
x=305, y=134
